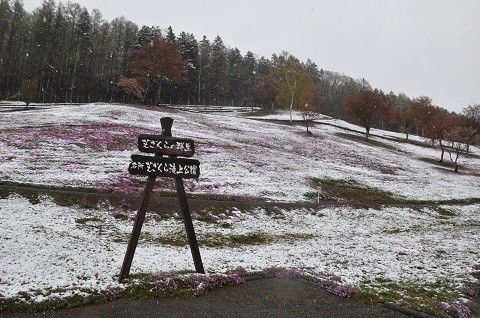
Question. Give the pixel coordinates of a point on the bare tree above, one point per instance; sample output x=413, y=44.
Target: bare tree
x=472, y=122
x=309, y=113
x=459, y=136
x=438, y=127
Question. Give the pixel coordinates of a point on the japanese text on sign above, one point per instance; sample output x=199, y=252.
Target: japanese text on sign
x=166, y=145
x=167, y=167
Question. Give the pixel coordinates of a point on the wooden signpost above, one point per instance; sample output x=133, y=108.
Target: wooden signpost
x=164, y=164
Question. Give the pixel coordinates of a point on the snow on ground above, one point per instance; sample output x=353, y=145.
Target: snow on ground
x=44, y=246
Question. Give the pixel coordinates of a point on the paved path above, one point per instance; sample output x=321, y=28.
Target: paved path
x=269, y=297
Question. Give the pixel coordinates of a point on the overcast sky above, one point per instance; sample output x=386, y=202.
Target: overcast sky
x=420, y=47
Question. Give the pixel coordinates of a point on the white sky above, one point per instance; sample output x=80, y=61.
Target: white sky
x=420, y=47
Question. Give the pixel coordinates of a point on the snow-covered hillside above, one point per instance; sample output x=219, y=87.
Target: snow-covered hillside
x=90, y=145
x=44, y=246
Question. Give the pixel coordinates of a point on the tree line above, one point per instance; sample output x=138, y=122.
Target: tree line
x=72, y=55
x=64, y=53
x=453, y=133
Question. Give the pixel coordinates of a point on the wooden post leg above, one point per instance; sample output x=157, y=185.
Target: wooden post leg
x=137, y=228
x=187, y=219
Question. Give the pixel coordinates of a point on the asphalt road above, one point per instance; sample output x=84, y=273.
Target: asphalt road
x=268, y=297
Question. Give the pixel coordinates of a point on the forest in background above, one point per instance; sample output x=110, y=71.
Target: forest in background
x=77, y=56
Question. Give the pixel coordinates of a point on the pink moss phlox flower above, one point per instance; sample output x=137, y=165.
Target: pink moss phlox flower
x=111, y=294
x=92, y=136
x=339, y=290
x=457, y=309
x=469, y=291
x=166, y=283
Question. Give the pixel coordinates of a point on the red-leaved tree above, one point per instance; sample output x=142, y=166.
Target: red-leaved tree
x=157, y=62
x=438, y=127
x=366, y=109
x=131, y=87
x=420, y=111
x=399, y=113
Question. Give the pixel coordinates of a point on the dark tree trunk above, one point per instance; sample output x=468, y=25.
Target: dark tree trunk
x=443, y=151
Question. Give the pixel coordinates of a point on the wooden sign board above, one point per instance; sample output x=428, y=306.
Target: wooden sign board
x=164, y=167
x=165, y=145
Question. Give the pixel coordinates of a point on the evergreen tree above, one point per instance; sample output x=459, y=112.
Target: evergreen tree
x=219, y=72
x=264, y=66
x=41, y=45
x=147, y=34
x=234, y=85
x=5, y=16
x=5, y=20
x=99, y=36
x=85, y=57
x=188, y=47
x=204, y=71
x=170, y=36
x=58, y=57
x=16, y=54
x=170, y=90
x=248, y=74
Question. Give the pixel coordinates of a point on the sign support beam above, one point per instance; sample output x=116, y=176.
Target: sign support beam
x=187, y=220
x=137, y=228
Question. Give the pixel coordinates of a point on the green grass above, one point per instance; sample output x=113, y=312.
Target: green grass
x=15, y=185
x=379, y=144
x=260, y=112
x=24, y=302
x=85, y=220
x=351, y=192
x=424, y=297
x=138, y=286
x=35, y=192
x=221, y=240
